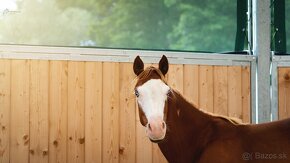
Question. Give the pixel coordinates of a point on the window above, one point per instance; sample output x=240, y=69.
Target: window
x=280, y=42
x=181, y=25
x=287, y=20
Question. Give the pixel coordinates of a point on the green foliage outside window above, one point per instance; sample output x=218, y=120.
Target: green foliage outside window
x=185, y=25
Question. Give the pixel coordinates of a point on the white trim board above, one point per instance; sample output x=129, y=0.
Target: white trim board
x=120, y=55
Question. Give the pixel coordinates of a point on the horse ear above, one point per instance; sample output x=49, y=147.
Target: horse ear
x=138, y=66
x=163, y=65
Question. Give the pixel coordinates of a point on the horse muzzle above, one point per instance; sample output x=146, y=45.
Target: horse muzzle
x=156, y=130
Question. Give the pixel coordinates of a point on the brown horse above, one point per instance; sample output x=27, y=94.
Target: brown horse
x=186, y=134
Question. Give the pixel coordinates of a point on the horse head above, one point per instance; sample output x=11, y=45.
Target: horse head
x=152, y=91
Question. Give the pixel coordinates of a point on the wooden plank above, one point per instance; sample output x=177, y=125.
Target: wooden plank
x=58, y=107
x=127, y=124
x=282, y=109
x=191, y=83
x=5, y=74
x=235, y=92
x=158, y=157
x=19, y=140
x=38, y=111
x=284, y=92
x=246, y=94
x=93, y=112
x=143, y=145
x=206, y=88
x=220, y=90
x=110, y=112
x=175, y=77
x=76, y=111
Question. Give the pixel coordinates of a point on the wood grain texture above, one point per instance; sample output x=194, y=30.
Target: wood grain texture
x=235, y=92
x=191, y=83
x=175, y=77
x=157, y=155
x=76, y=111
x=284, y=92
x=246, y=94
x=5, y=99
x=93, y=111
x=38, y=127
x=110, y=112
x=127, y=123
x=86, y=111
x=58, y=110
x=144, y=149
x=19, y=136
x=206, y=86
x=220, y=90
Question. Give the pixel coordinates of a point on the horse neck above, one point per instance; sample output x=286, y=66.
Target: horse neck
x=188, y=114
x=187, y=127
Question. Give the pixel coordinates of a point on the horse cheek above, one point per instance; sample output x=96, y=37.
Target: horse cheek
x=165, y=112
x=142, y=117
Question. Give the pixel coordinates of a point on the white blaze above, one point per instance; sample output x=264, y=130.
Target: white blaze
x=152, y=97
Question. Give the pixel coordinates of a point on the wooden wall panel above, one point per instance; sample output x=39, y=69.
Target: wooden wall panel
x=144, y=149
x=5, y=74
x=157, y=155
x=175, y=77
x=191, y=83
x=284, y=92
x=246, y=94
x=76, y=111
x=111, y=112
x=235, y=92
x=127, y=125
x=38, y=127
x=220, y=90
x=93, y=112
x=206, y=87
x=70, y=111
x=19, y=122
x=58, y=109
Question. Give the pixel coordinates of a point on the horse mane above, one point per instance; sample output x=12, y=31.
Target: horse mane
x=232, y=120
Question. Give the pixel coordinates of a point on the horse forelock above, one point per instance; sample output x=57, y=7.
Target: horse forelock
x=149, y=73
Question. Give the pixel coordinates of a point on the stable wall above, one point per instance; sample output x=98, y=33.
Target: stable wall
x=284, y=92
x=77, y=111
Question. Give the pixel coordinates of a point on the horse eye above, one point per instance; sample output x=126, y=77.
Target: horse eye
x=136, y=93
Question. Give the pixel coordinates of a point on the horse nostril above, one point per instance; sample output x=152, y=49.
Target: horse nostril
x=163, y=125
x=149, y=126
